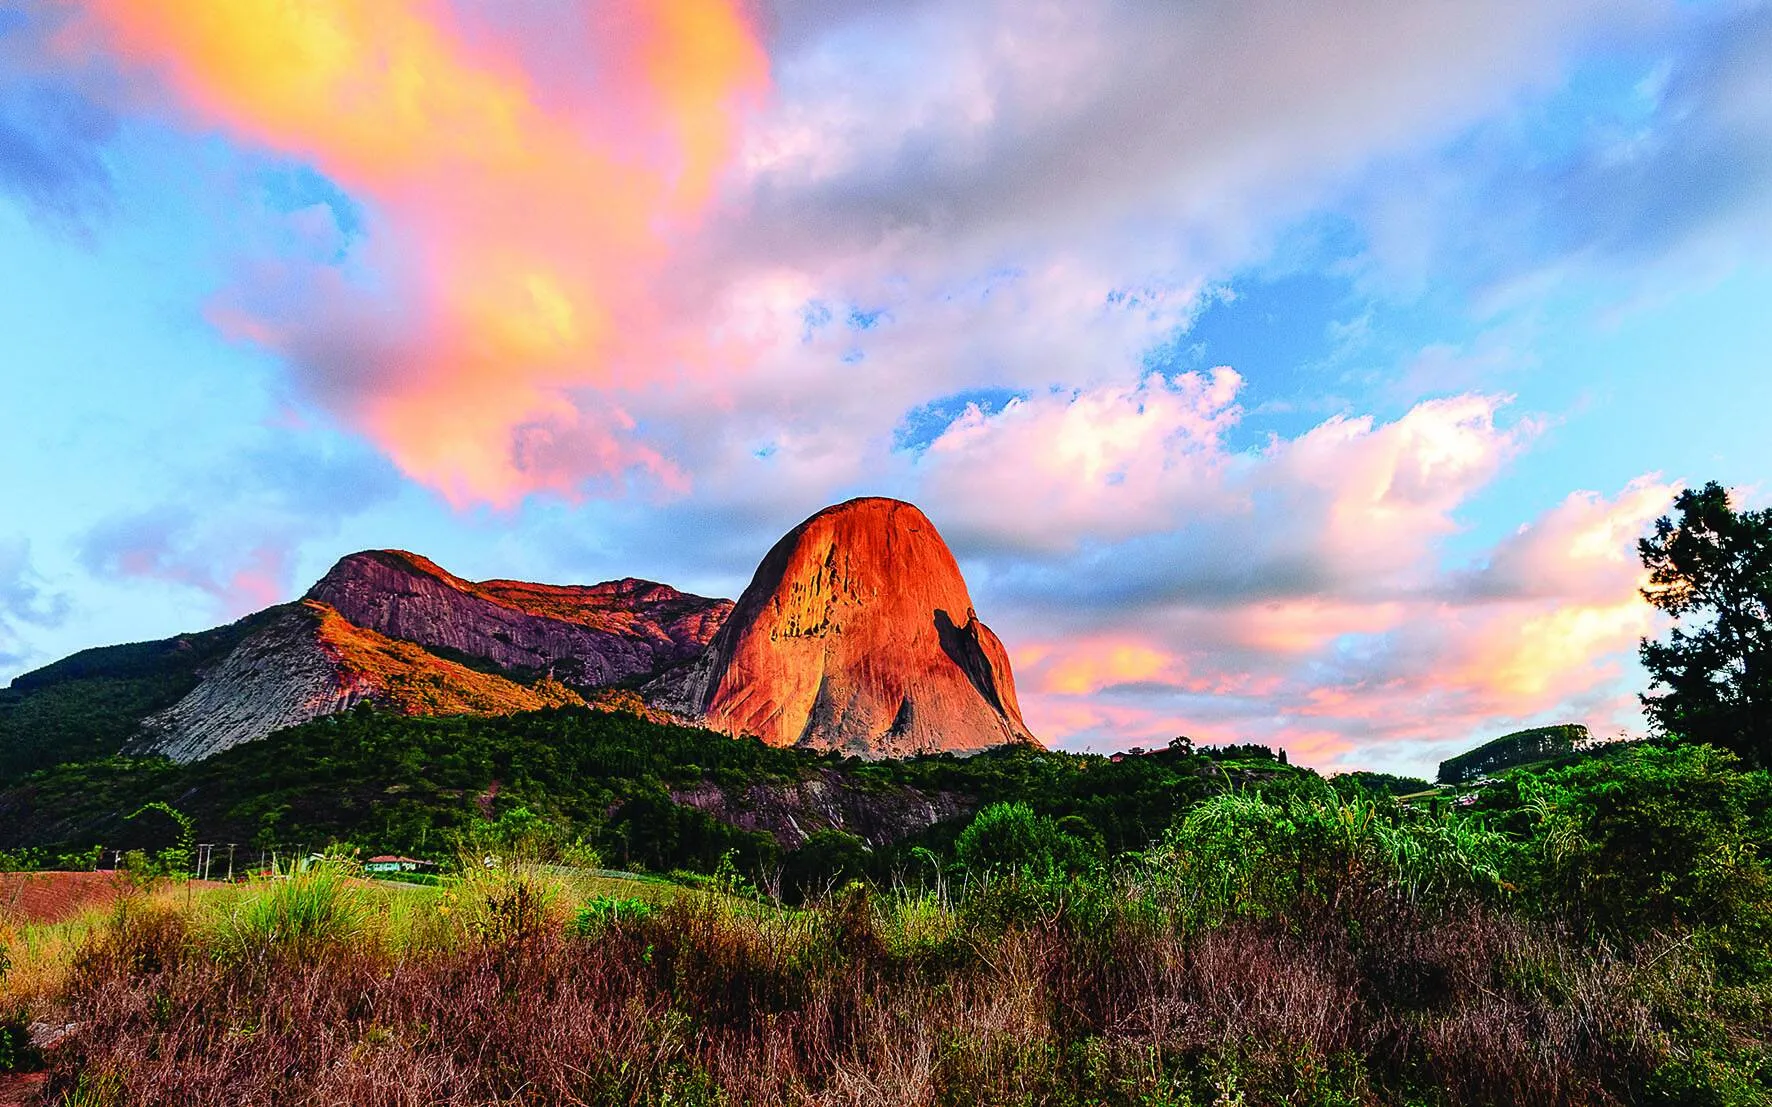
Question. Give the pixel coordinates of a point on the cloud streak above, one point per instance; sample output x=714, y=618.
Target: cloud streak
x=514, y=229
x=53, y=127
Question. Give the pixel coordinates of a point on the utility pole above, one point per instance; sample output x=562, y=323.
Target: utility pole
x=230, y=862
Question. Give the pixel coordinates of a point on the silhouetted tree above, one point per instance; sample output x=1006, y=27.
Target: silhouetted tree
x=1712, y=571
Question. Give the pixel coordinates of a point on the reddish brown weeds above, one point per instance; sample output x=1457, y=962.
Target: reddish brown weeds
x=705, y=1003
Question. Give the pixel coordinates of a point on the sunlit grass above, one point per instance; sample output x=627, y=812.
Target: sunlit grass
x=39, y=954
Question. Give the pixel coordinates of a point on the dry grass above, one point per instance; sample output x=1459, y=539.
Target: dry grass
x=39, y=953
x=478, y=994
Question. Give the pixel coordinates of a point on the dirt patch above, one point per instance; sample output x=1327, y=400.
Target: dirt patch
x=58, y=897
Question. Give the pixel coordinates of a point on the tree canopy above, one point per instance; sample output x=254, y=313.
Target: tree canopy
x=1711, y=570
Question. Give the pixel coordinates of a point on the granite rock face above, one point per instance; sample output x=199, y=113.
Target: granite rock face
x=856, y=634
x=587, y=636
x=278, y=677
x=791, y=813
x=308, y=661
x=393, y=628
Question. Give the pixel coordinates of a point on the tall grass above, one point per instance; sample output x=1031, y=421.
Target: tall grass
x=862, y=998
x=312, y=908
x=1240, y=854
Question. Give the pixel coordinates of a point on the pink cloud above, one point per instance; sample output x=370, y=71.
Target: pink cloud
x=1298, y=594
x=1089, y=464
x=515, y=229
x=1545, y=631
x=163, y=546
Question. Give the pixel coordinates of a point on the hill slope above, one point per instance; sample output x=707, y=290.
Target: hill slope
x=308, y=661
x=658, y=795
x=90, y=704
x=412, y=637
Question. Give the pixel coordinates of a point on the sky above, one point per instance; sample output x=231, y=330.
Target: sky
x=1297, y=374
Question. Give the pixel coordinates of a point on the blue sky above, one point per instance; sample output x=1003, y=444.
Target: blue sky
x=1278, y=375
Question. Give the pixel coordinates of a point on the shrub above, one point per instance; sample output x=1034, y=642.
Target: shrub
x=501, y=903
x=311, y=908
x=599, y=914
x=827, y=859
x=1008, y=839
x=1239, y=854
x=1651, y=839
x=16, y=1052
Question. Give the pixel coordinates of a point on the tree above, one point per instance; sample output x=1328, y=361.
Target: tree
x=827, y=859
x=177, y=857
x=1712, y=571
x=1009, y=839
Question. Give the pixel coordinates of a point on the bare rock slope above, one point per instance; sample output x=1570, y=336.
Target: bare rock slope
x=278, y=677
x=308, y=661
x=392, y=628
x=587, y=636
x=856, y=634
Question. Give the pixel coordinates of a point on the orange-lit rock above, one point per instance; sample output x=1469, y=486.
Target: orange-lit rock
x=587, y=636
x=392, y=628
x=856, y=634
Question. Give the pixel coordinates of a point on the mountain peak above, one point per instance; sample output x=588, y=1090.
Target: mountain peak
x=857, y=633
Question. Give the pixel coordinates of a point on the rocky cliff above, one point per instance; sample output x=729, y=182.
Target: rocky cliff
x=857, y=634
x=828, y=800
x=276, y=678
x=586, y=636
x=308, y=661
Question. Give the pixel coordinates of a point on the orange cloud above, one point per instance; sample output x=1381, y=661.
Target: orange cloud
x=1540, y=630
x=514, y=228
x=1085, y=671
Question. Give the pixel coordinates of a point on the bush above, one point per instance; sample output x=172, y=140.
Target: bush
x=1009, y=840
x=1650, y=839
x=599, y=914
x=1239, y=854
x=16, y=1052
x=827, y=859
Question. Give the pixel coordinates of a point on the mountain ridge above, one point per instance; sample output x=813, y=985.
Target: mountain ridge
x=586, y=636
x=893, y=659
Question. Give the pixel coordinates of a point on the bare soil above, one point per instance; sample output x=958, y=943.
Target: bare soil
x=54, y=897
